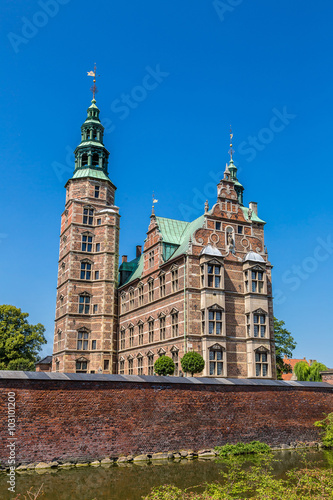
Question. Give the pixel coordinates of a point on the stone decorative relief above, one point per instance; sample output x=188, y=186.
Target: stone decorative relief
x=245, y=242
x=214, y=238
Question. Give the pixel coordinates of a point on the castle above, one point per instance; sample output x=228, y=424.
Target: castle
x=203, y=285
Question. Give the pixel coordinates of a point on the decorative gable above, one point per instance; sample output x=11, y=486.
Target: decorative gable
x=259, y=311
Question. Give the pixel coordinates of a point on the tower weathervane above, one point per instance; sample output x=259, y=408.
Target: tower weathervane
x=93, y=89
x=231, y=151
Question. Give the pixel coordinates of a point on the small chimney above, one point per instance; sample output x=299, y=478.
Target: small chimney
x=138, y=250
x=124, y=258
x=254, y=206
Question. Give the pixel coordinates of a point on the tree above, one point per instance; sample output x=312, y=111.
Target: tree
x=164, y=366
x=304, y=372
x=315, y=370
x=284, y=346
x=20, y=342
x=192, y=362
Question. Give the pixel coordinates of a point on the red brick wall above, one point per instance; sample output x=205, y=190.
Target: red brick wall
x=93, y=419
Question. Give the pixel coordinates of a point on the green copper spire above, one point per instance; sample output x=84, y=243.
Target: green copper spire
x=91, y=157
x=233, y=172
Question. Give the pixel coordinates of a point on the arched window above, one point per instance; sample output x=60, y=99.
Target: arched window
x=95, y=160
x=87, y=134
x=84, y=160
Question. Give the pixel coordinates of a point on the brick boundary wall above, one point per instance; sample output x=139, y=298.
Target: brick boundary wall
x=87, y=417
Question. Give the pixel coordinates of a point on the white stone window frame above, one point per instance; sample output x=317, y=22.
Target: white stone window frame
x=204, y=263
x=123, y=299
x=217, y=347
x=121, y=365
x=175, y=358
x=88, y=216
x=262, y=350
x=174, y=315
x=248, y=279
x=85, y=295
x=151, y=329
x=139, y=358
x=140, y=293
x=205, y=320
x=140, y=325
x=83, y=339
x=122, y=339
x=130, y=327
x=250, y=324
x=162, y=325
x=131, y=295
x=151, y=290
x=174, y=271
x=86, y=261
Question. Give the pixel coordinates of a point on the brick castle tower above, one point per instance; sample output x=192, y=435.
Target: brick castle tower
x=86, y=308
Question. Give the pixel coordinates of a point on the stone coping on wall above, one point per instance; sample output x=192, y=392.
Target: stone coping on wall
x=95, y=377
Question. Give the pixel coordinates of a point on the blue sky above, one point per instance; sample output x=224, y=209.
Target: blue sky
x=265, y=67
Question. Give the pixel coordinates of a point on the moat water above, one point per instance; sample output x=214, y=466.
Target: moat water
x=132, y=481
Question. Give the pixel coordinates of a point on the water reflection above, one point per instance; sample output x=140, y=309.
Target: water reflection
x=132, y=481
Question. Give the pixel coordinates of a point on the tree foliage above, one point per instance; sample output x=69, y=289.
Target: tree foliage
x=327, y=430
x=256, y=481
x=284, y=346
x=20, y=342
x=192, y=362
x=304, y=372
x=164, y=366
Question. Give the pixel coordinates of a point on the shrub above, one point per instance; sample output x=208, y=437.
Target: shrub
x=242, y=448
x=164, y=366
x=192, y=362
x=327, y=430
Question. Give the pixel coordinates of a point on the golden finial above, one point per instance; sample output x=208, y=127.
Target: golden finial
x=231, y=151
x=93, y=89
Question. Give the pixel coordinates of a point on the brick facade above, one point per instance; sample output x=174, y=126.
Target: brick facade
x=61, y=417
